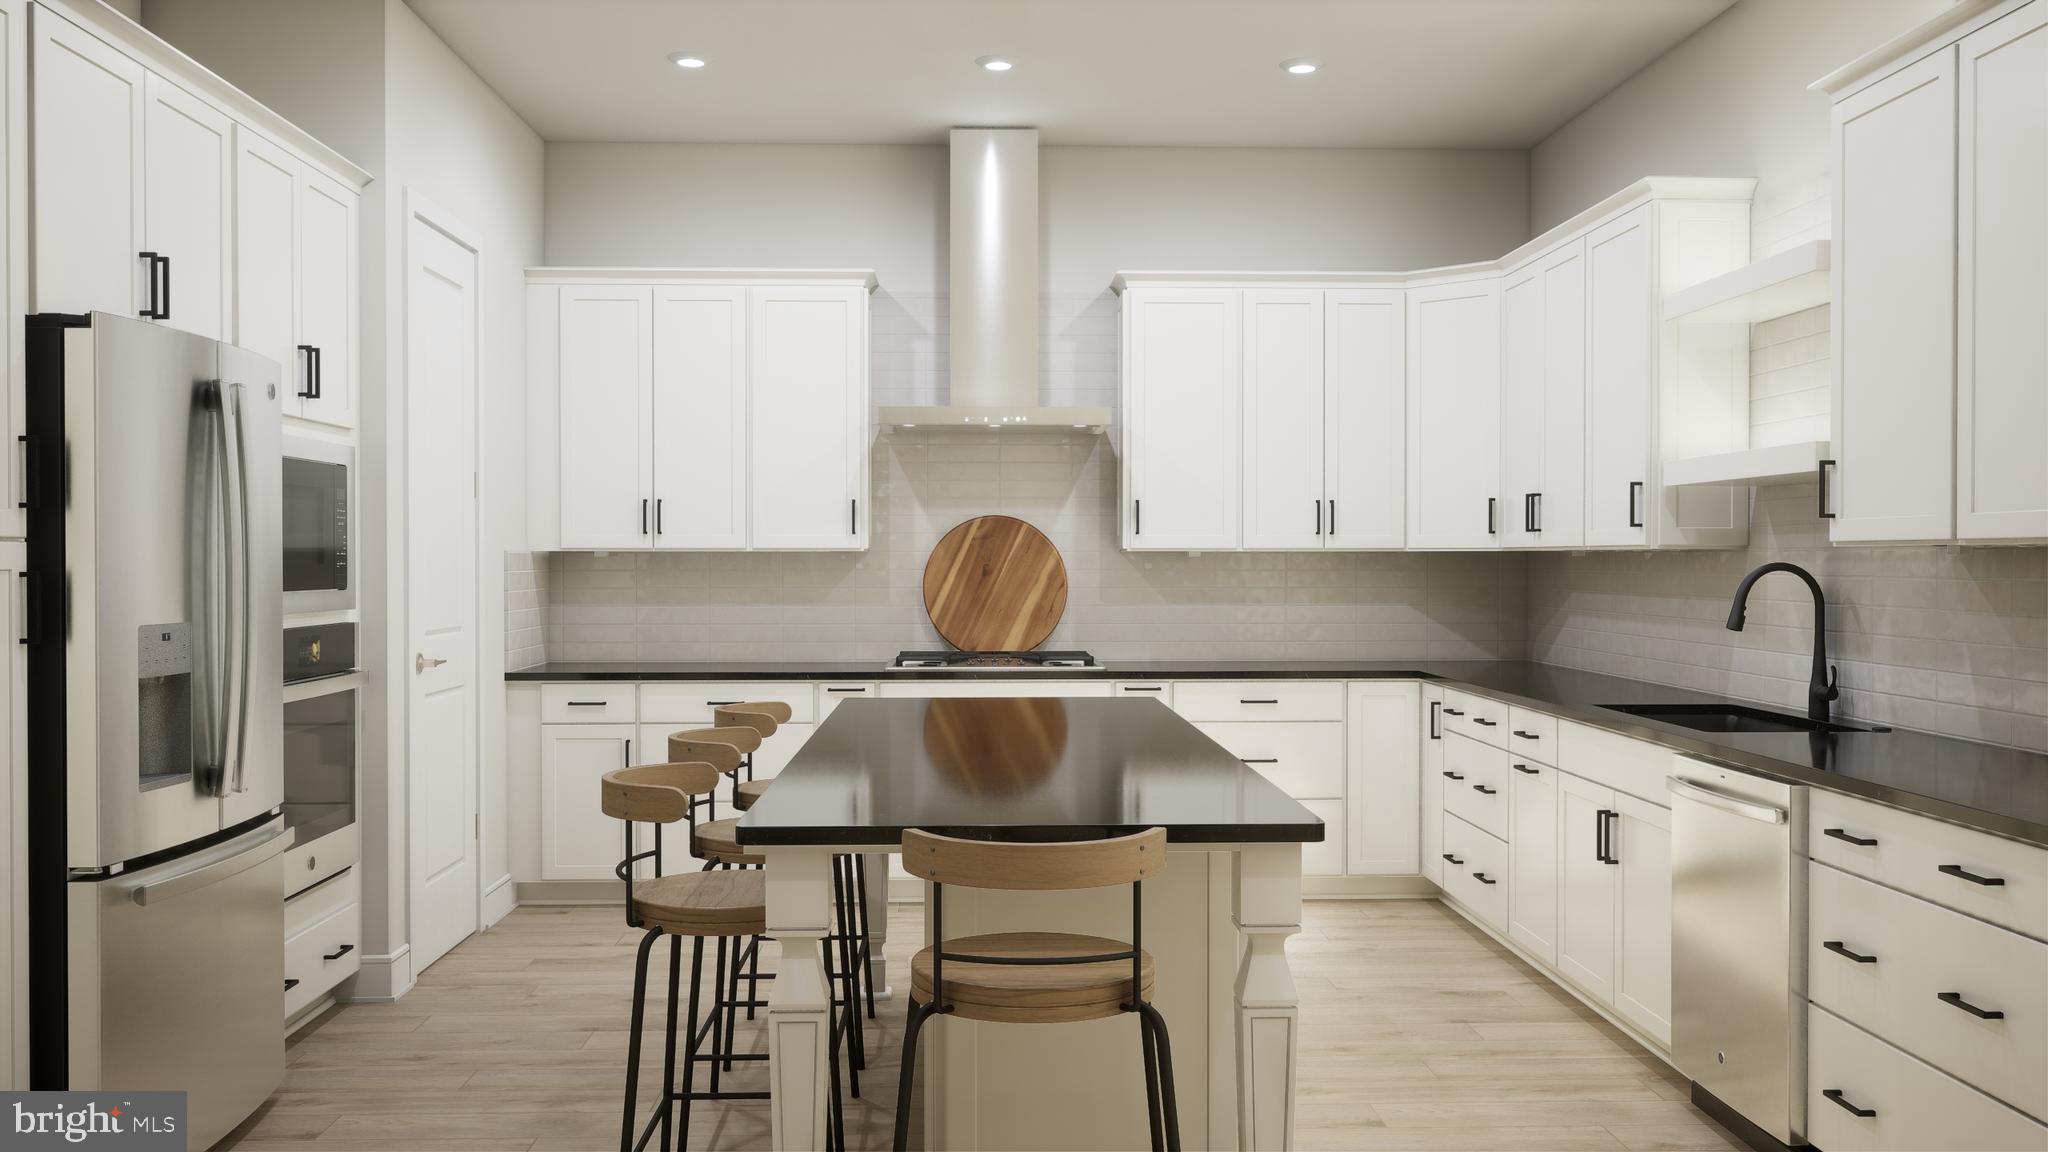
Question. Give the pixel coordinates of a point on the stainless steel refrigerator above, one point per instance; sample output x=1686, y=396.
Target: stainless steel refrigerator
x=155, y=724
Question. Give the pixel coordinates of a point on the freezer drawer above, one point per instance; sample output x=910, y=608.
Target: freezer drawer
x=177, y=978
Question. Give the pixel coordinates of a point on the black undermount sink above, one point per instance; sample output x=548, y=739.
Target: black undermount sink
x=1729, y=718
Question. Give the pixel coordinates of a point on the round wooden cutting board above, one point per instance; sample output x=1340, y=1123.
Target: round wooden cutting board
x=995, y=584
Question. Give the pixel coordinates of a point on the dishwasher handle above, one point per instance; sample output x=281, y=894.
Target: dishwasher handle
x=1735, y=805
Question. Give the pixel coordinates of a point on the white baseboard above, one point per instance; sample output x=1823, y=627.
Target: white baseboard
x=382, y=979
x=499, y=899
x=569, y=892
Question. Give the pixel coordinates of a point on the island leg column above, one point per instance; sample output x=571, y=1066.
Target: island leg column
x=799, y=1012
x=1267, y=909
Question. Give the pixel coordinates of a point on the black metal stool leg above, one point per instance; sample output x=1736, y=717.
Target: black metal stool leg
x=912, y=1024
x=754, y=976
x=717, y=990
x=633, y=1041
x=668, y=1059
x=1166, y=1077
x=690, y=1048
x=867, y=958
x=835, y=1117
x=732, y=997
x=1152, y=1115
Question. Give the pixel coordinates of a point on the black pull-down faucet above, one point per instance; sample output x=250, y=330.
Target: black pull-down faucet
x=1821, y=689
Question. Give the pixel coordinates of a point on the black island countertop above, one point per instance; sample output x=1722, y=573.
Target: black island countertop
x=1043, y=768
x=1984, y=786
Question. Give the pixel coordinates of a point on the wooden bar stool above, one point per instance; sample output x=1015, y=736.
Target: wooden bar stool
x=699, y=905
x=1039, y=977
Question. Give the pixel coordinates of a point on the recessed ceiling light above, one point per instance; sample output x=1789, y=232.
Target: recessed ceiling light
x=1299, y=67
x=995, y=64
x=686, y=59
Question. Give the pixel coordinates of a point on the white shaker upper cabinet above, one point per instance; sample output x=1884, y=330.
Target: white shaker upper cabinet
x=266, y=268
x=700, y=417
x=1543, y=397
x=1894, y=296
x=1283, y=418
x=188, y=201
x=808, y=445
x=88, y=111
x=1365, y=471
x=2002, y=233
x=327, y=296
x=1454, y=415
x=607, y=391
x=1181, y=388
x=1620, y=376
x=13, y=274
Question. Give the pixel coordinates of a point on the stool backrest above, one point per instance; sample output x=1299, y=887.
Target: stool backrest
x=1052, y=867
x=655, y=793
x=763, y=716
x=719, y=747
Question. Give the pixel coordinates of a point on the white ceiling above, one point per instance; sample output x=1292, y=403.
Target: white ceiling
x=1395, y=73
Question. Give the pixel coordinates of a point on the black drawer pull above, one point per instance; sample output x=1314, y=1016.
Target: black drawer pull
x=1485, y=723
x=1452, y=859
x=1836, y=947
x=290, y=984
x=1258, y=701
x=1960, y=873
x=1524, y=768
x=720, y=703
x=1452, y=776
x=1143, y=688
x=1483, y=790
x=337, y=954
x=1956, y=998
x=1263, y=760
x=587, y=703
x=1483, y=878
x=1835, y=1094
x=845, y=689
x=1842, y=834
x=1450, y=711
x=1527, y=735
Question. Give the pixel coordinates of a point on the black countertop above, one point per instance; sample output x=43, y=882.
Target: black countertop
x=1045, y=768
x=1983, y=786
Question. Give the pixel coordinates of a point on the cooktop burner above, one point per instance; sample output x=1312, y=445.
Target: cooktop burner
x=1019, y=661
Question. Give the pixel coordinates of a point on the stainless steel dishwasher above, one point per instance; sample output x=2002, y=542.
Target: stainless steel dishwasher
x=1738, y=954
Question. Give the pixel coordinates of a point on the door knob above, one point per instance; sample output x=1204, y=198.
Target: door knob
x=421, y=662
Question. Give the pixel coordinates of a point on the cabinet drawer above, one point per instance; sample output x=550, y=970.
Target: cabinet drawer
x=1159, y=690
x=1636, y=767
x=1476, y=871
x=322, y=955
x=1911, y=852
x=587, y=703
x=1325, y=858
x=1259, y=700
x=692, y=703
x=1475, y=779
x=831, y=695
x=1532, y=736
x=1306, y=760
x=320, y=901
x=1919, y=952
x=1916, y=1106
x=1476, y=716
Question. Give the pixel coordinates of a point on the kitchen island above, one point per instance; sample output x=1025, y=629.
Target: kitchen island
x=1216, y=920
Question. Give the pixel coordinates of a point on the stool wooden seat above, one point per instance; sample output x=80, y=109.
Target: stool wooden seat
x=719, y=840
x=749, y=792
x=763, y=716
x=730, y=903
x=1033, y=993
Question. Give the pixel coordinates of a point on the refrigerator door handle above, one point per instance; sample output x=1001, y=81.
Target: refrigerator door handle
x=243, y=593
x=217, y=864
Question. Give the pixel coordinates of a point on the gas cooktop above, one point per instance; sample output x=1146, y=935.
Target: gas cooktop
x=978, y=661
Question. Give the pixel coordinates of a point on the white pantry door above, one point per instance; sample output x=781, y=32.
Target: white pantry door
x=440, y=383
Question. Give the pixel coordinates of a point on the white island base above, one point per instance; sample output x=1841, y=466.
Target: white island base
x=1216, y=922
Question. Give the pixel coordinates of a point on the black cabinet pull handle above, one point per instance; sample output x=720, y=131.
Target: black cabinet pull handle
x=1835, y=1094
x=1436, y=731
x=1961, y=873
x=643, y=517
x=1635, y=515
x=1143, y=688
x=319, y=373
x=657, y=517
x=721, y=703
x=587, y=703
x=1258, y=701
x=149, y=311
x=1843, y=834
x=1526, y=770
x=1527, y=735
x=1319, y=517
x=629, y=751
x=1333, y=517
x=1262, y=760
x=338, y=953
x=1452, y=776
x=1137, y=517
x=1956, y=998
x=864, y=690
x=31, y=609
x=1613, y=822
x=853, y=517
x=1450, y=711
x=306, y=352
x=1485, y=723
x=1836, y=947
x=163, y=308
x=290, y=984
x=1483, y=790
x=1491, y=525
x=1452, y=859
x=1483, y=878
x=1820, y=475
x=1532, y=516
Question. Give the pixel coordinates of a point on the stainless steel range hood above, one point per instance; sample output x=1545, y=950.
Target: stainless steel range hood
x=994, y=293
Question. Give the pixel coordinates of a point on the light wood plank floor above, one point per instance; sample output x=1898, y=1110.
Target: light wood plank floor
x=1418, y=1032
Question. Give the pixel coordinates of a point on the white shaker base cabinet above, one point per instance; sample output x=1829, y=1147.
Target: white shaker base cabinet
x=1532, y=857
x=577, y=840
x=1586, y=886
x=1384, y=789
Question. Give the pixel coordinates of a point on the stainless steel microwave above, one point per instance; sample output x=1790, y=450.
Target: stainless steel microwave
x=319, y=485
